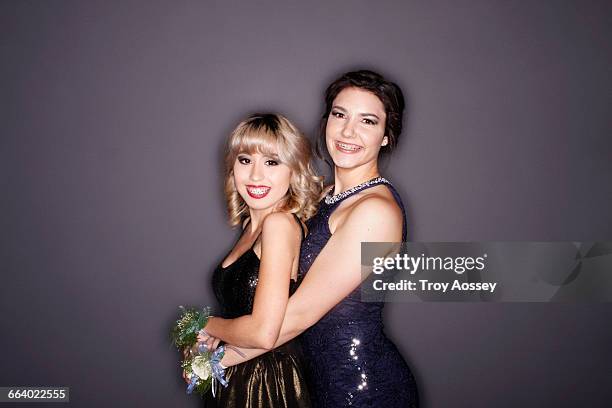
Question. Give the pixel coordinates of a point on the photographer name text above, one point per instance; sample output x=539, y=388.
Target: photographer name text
x=425, y=285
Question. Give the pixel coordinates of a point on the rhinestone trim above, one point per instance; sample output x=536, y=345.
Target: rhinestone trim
x=332, y=199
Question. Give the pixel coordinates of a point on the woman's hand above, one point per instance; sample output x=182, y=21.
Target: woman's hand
x=210, y=341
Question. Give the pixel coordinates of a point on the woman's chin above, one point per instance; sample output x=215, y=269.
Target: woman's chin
x=347, y=162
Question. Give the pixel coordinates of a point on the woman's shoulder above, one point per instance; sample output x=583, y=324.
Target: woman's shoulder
x=375, y=209
x=377, y=201
x=280, y=224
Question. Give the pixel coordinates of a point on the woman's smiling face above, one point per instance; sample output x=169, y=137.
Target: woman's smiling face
x=355, y=128
x=261, y=179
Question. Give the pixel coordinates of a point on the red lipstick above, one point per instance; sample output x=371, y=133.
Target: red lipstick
x=257, y=191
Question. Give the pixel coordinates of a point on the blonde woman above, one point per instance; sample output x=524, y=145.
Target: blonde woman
x=271, y=190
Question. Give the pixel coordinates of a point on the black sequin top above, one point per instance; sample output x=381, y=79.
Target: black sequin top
x=271, y=380
x=234, y=286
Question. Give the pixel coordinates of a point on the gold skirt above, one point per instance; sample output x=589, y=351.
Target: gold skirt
x=272, y=380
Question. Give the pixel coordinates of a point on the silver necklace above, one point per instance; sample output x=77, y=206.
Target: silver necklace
x=331, y=199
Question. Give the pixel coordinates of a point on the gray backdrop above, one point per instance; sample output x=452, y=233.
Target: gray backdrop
x=113, y=116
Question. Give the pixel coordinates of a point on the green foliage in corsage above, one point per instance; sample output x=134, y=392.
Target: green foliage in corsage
x=200, y=365
x=185, y=331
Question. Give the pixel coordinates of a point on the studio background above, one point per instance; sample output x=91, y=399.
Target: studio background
x=113, y=120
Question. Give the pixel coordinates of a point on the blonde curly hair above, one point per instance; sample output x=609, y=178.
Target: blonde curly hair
x=274, y=135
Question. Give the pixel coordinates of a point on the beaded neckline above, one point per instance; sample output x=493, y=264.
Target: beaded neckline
x=332, y=199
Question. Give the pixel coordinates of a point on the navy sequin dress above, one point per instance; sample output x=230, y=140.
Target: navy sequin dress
x=350, y=360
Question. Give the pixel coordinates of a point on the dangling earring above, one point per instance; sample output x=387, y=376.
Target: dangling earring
x=385, y=141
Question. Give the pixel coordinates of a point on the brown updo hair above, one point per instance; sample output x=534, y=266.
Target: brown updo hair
x=273, y=134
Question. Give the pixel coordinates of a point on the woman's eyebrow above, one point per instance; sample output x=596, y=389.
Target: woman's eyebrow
x=338, y=107
x=369, y=114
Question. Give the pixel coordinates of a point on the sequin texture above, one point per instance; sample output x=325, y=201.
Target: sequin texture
x=350, y=360
x=331, y=199
x=272, y=380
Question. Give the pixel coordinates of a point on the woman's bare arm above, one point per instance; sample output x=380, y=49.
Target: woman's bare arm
x=280, y=243
x=336, y=272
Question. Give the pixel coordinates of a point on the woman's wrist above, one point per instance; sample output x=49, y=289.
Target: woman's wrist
x=223, y=361
x=209, y=325
x=227, y=360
